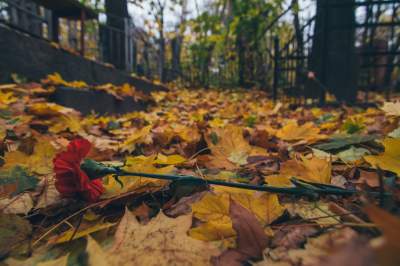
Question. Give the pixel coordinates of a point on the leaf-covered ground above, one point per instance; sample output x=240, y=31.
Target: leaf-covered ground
x=344, y=161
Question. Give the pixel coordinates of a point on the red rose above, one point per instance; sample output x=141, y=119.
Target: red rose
x=71, y=181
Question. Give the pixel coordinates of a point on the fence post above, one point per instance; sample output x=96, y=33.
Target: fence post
x=276, y=69
x=126, y=46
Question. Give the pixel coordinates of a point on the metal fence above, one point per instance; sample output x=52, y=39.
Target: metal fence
x=112, y=45
x=378, y=56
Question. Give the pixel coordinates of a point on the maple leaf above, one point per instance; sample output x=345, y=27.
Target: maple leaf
x=391, y=108
x=229, y=148
x=40, y=162
x=6, y=98
x=139, y=184
x=293, y=132
x=163, y=241
x=390, y=159
x=314, y=170
x=139, y=136
x=213, y=210
x=50, y=109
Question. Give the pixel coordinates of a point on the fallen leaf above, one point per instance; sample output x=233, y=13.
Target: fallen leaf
x=313, y=170
x=140, y=184
x=318, y=212
x=320, y=247
x=20, y=204
x=15, y=234
x=352, y=154
x=40, y=162
x=390, y=159
x=163, y=241
x=84, y=230
x=138, y=136
x=292, y=132
x=388, y=253
x=213, y=210
x=251, y=238
x=341, y=141
x=19, y=178
x=229, y=148
x=61, y=261
x=391, y=108
x=292, y=236
x=97, y=257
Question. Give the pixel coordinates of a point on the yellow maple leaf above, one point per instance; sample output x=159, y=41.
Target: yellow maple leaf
x=139, y=136
x=293, y=132
x=40, y=162
x=56, y=79
x=50, y=109
x=141, y=164
x=169, y=159
x=66, y=122
x=6, y=98
x=388, y=160
x=314, y=170
x=213, y=210
x=229, y=148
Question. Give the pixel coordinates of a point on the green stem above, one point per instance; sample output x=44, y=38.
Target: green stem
x=97, y=170
x=309, y=191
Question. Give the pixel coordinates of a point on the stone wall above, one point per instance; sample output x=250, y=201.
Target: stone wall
x=35, y=58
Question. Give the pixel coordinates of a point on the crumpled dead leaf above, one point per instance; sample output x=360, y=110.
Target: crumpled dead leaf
x=160, y=242
x=251, y=238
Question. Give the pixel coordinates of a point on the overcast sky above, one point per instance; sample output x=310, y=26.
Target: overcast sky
x=172, y=18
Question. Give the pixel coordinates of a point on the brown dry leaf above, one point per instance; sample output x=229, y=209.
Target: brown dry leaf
x=313, y=170
x=49, y=194
x=292, y=236
x=20, y=204
x=251, y=238
x=293, y=132
x=318, y=212
x=355, y=253
x=371, y=178
x=163, y=241
x=388, y=253
x=320, y=247
x=229, y=148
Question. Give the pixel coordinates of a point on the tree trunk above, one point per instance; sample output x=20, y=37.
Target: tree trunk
x=333, y=56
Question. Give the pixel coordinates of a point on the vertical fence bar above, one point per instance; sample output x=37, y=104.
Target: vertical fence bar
x=276, y=69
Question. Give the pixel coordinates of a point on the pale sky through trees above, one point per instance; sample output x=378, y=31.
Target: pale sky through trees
x=172, y=17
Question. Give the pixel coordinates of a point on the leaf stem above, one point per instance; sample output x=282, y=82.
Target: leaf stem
x=309, y=190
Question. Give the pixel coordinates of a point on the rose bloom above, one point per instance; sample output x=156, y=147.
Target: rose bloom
x=71, y=181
